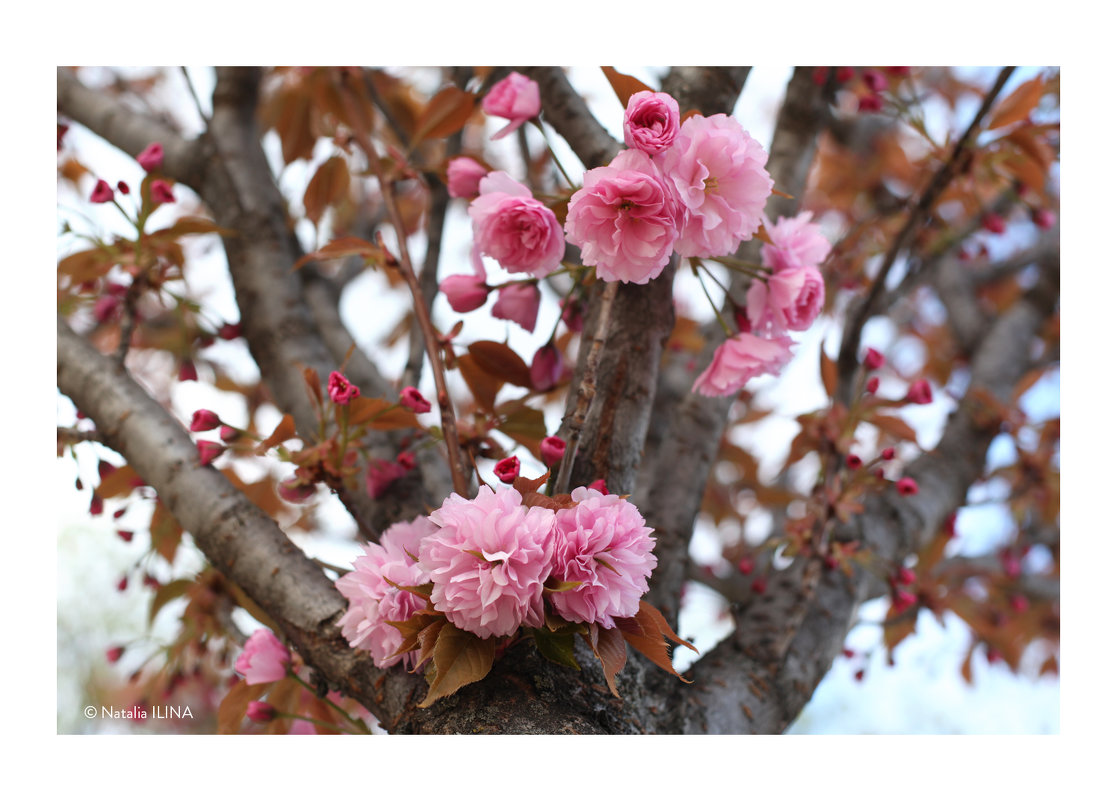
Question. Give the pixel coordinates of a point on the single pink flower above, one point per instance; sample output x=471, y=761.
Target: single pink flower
x=507, y=469
x=260, y=712
x=516, y=98
x=465, y=292
x=796, y=242
x=413, y=399
x=151, y=157
x=204, y=420
x=919, y=392
x=463, y=176
x=717, y=172
x=624, y=219
x=381, y=476
x=208, y=451
x=907, y=486
x=790, y=300
x=161, y=193
x=546, y=368
x=514, y=228
x=102, y=192
x=340, y=390
x=552, y=450
x=263, y=659
x=488, y=561
x=739, y=359
x=518, y=303
x=651, y=121
x=374, y=603
x=603, y=544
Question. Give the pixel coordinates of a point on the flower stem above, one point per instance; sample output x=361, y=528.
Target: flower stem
x=694, y=265
x=360, y=724
x=546, y=141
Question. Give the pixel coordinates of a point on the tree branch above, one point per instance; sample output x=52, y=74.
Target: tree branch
x=566, y=112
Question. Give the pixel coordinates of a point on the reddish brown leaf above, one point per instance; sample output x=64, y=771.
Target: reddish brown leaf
x=118, y=482
x=608, y=646
x=624, y=85
x=445, y=114
x=329, y=185
x=313, y=384
x=482, y=384
x=344, y=247
x=230, y=713
x=501, y=361
x=381, y=414
x=1019, y=104
x=189, y=225
x=894, y=426
x=283, y=432
x=460, y=658
x=828, y=368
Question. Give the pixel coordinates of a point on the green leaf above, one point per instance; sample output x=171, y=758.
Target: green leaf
x=460, y=658
x=556, y=646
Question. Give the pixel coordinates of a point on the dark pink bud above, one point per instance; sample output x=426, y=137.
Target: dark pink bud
x=844, y=74
x=552, y=450
x=465, y=292
x=507, y=469
x=919, y=392
x=848, y=653
x=899, y=72
x=741, y=317
x=905, y=575
x=151, y=158
x=1043, y=218
x=204, y=420
x=599, y=485
x=873, y=359
x=119, y=513
x=888, y=454
x=208, y=451
x=518, y=303
x=122, y=188
x=1018, y=603
x=872, y=385
x=340, y=390
x=187, y=371
x=294, y=491
x=992, y=656
x=105, y=308
x=406, y=459
x=381, y=475
x=994, y=223
x=875, y=80
x=907, y=486
x=546, y=367
x=161, y=193
x=948, y=525
x=102, y=192
x=96, y=505
x=124, y=535
x=759, y=585
x=114, y=654
x=260, y=712
x=830, y=562
x=903, y=600
x=62, y=128
x=853, y=461
x=414, y=400
x=229, y=331
x=859, y=675
x=122, y=585
x=746, y=565
x=572, y=314
x=228, y=433
x=151, y=582
x=818, y=75
x=1011, y=564
x=870, y=103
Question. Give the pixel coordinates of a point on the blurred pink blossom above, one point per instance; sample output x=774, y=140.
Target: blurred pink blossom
x=516, y=98
x=264, y=658
x=739, y=359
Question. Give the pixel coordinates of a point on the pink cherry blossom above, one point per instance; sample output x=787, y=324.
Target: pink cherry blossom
x=790, y=300
x=102, y=192
x=717, y=172
x=603, y=544
x=739, y=359
x=507, y=469
x=161, y=193
x=624, y=219
x=519, y=303
x=151, y=157
x=264, y=658
x=373, y=601
x=340, y=390
x=651, y=121
x=204, y=420
x=463, y=176
x=466, y=292
x=552, y=450
x=919, y=392
x=546, y=367
x=516, y=98
x=411, y=398
x=514, y=228
x=488, y=561
x=796, y=242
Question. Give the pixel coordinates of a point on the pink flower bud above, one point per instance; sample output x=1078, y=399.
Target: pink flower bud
x=516, y=98
x=229, y=331
x=518, y=303
x=260, y=712
x=870, y=103
x=902, y=601
x=406, y=459
x=208, y=451
x=1043, y=218
x=919, y=392
x=161, y=193
x=994, y=223
x=294, y=491
x=875, y=80
x=187, y=371
x=948, y=525
x=853, y=461
x=264, y=658
x=546, y=367
x=228, y=433
x=412, y=399
x=1018, y=603
x=119, y=513
x=122, y=188
x=340, y=390
x=151, y=158
x=102, y=192
x=859, y=675
x=599, y=485
x=905, y=575
x=96, y=506
x=844, y=74
x=507, y=469
x=899, y=72
x=114, y=654
x=463, y=176
x=873, y=359
x=872, y=385
x=888, y=454
x=552, y=450
x=907, y=486
x=124, y=535
x=572, y=314
x=746, y=565
x=465, y=292
x=204, y=420
x=759, y=585
x=105, y=308
x=122, y=585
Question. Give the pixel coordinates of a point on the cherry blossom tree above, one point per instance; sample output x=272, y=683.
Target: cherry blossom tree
x=899, y=232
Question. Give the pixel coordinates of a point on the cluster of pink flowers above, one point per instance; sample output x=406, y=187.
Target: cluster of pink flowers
x=488, y=562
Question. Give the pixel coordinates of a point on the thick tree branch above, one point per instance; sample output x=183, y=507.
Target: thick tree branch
x=566, y=112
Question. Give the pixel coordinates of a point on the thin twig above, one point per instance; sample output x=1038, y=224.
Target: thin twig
x=587, y=389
